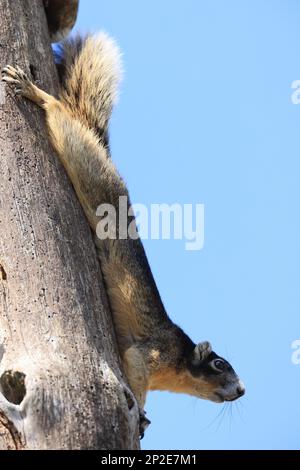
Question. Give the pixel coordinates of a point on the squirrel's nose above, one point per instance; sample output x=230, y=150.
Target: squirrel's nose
x=240, y=390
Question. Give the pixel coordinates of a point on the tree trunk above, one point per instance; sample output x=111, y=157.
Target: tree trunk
x=60, y=380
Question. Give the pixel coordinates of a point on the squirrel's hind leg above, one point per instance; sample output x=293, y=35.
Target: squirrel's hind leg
x=16, y=77
x=77, y=147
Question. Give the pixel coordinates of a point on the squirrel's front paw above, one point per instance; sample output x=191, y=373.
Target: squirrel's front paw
x=17, y=78
x=144, y=423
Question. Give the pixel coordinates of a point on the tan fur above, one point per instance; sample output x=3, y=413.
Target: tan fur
x=156, y=354
x=106, y=66
x=138, y=375
x=122, y=287
x=181, y=382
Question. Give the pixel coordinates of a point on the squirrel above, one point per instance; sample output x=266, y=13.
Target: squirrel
x=156, y=354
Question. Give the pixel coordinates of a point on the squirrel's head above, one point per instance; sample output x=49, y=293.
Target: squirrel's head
x=211, y=377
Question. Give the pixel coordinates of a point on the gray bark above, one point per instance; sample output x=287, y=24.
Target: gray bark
x=60, y=380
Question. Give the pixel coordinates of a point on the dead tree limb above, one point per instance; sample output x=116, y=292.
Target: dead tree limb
x=60, y=381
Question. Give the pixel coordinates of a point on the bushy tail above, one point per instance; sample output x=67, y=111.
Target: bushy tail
x=90, y=72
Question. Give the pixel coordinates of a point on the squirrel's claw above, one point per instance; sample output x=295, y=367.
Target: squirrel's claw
x=144, y=423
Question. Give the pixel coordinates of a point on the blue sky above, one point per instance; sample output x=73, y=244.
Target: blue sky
x=205, y=116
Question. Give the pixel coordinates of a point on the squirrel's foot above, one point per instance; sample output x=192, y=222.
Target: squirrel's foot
x=16, y=77
x=144, y=423
x=25, y=87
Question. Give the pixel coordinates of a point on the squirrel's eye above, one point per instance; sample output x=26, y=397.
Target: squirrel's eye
x=218, y=364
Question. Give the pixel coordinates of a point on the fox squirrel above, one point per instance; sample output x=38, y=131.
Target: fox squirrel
x=156, y=354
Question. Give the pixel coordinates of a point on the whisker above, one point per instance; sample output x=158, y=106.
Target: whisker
x=195, y=401
x=214, y=419
x=224, y=409
x=231, y=416
x=239, y=405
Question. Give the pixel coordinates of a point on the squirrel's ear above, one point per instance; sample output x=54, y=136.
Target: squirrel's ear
x=202, y=351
